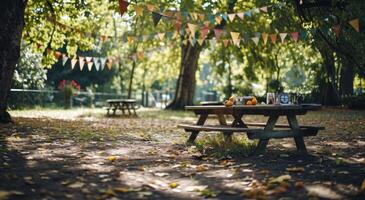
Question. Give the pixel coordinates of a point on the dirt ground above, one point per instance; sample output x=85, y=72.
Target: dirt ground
x=82, y=154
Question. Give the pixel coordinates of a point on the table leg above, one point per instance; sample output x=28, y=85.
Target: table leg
x=299, y=141
x=222, y=121
x=194, y=134
x=237, y=122
x=261, y=147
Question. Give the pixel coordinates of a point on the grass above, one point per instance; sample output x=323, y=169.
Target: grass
x=216, y=146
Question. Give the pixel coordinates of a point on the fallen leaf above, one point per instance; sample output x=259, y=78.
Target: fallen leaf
x=111, y=158
x=280, y=179
x=363, y=185
x=295, y=169
x=122, y=189
x=76, y=185
x=110, y=192
x=201, y=168
x=173, y=185
x=299, y=185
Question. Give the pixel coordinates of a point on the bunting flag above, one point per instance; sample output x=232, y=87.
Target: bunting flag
x=102, y=61
x=104, y=38
x=57, y=54
x=161, y=36
x=273, y=38
x=96, y=63
x=201, y=41
x=256, y=40
x=355, y=24
x=241, y=15
x=201, y=17
x=64, y=59
x=156, y=18
x=248, y=13
x=177, y=25
x=81, y=62
x=139, y=10
x=109, y=63
x=231, y=17
x=88, y=59
x=123, y=5
x=130, y=39
x=204, y=32
x=193, y=28
x=218, y=20
x=225, y=43
x=225, y=17
x=89, y=65
x=235, y=38
x=73, y=63
x=265, y=36
x=206, y=24
x=283, y=36
x=264, y=9
x=218, y=33
x=336, y=29
x=295, y=36
x=140, y=55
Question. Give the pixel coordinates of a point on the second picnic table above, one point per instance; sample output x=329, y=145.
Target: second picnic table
x=292, y=129
x=123, y=105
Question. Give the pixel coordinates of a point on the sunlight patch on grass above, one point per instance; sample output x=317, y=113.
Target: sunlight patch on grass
x=216, y=146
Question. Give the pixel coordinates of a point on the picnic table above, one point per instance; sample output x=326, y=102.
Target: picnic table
x=123, y=105
x=268, y=130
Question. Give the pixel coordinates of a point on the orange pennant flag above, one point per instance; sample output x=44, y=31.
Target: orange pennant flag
x=123, y=5
x=109, y=63
x=57, y=54
x=150, y=7
x=283, y=36
x=355, y=24
x=273, y=38
x=201, y=17
x=336, y=29
x=225, y=43
x=104, y=38
x=265, y=36
x=218, y=20
x=231, y=16
x=295, y=36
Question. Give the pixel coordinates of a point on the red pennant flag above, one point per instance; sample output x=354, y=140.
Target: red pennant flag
x=273, y=38
x=336, y=29
x=295, y=36
x=123, y=5
x=217, y=33
x=204, y=31
x=57, y=54
x=177, y=25
x=225, y=43
x=355, y=24
x=241, y=15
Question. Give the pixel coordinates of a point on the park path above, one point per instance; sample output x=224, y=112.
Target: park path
x=48, y=155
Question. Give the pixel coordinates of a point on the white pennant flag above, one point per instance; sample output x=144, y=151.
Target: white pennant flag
x=90, y=65
x=88, y=59
x=73, y=63
x=81, y=62
x=64, y=59
x=102, y=60
x=283, y=36
x=256, y=40
x=96, y=63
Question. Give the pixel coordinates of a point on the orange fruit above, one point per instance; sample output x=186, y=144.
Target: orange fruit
x=232, y=98
x=249, y=102
x=254, y=101
x=228, y=103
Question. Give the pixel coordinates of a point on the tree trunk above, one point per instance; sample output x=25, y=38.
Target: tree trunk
x=130, y=88
x=12, y=23
x=347, y=79
x=185, y=88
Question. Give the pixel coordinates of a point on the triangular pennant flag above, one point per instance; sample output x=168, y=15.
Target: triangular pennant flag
x=201, y=17
x=206, y=24
x=303, y=34
x=211, y=18
x=201, y=41
x=150, y=7
x=264, y=9
x=235, y=38
x=355, y=24
x=295, y=36
x=283, y=36
x=241, y=15
x=104, y=38
x=187, y=31
x=102, y=61
x=89, y=65
x=273, y=38
x=177, y=25
x=225, y=43
x=73, y=63
x=139, y=10
x=194, y=16
x=140, y=55
x=123, y=5
x=265, y=36
x=218, y=20
x=109, y=63
x=225, y=17
x=161, y=36
x=193, y=28
x=96, y=63
x=256, y=10
x=217, y=33
x=336, y=29
x=88, y=59
x=204, y=32
x=156, y=17
x=64, y=59
x=231, y=16
x=81, y=62
x=256, y=40
x=57, y=54
x=248, y=13
x=130, y=39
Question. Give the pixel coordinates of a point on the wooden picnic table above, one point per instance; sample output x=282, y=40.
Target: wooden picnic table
x=123, y=105
x=291, y=130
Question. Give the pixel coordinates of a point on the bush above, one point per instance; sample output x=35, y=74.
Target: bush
x=355, y=102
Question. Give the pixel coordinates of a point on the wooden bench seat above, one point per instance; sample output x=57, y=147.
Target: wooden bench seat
x=285, y=125
x=262, y=134
x=209, y=128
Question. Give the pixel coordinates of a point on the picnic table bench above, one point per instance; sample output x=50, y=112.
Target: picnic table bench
x=123, y=105
x=268, y=130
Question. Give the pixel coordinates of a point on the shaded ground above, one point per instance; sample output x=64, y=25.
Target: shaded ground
x=81, y=154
